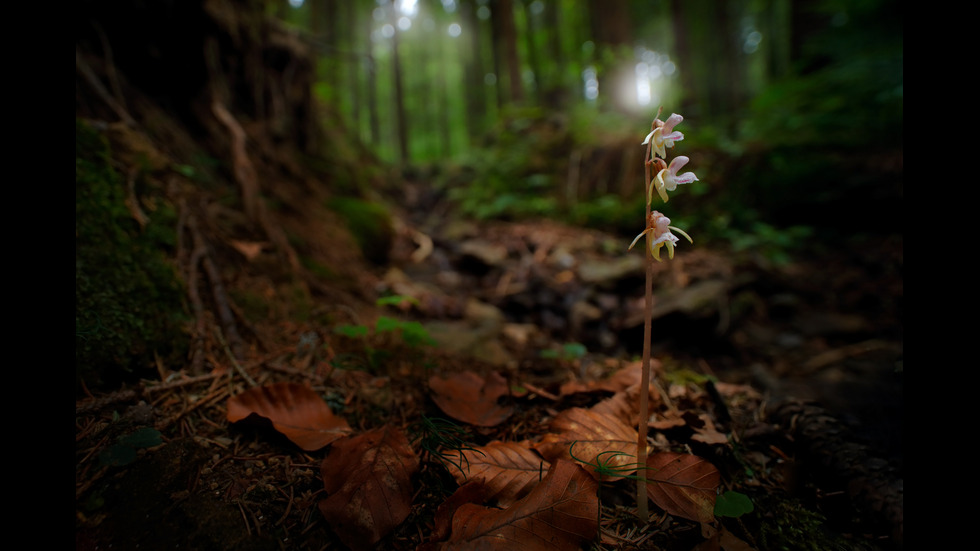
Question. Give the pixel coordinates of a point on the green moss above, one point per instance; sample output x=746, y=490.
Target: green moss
x=788, y=524
x=369, y=223
x=128, y=299
x=319, y=269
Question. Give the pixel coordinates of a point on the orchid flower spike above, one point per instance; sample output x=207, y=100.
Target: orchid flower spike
x=667, y=179
x=664, y=136
x=659, y=236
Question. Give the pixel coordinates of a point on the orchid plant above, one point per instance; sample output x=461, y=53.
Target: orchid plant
x=658, y=235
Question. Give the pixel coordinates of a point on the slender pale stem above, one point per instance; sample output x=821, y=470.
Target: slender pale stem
x=642, y=510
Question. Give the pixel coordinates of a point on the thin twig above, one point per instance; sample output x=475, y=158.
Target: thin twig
x=231, y=357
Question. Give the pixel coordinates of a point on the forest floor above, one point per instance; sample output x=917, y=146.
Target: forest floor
x=553, y=311
x=783, y=383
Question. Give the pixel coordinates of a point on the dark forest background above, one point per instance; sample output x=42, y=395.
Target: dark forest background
x=797, y=104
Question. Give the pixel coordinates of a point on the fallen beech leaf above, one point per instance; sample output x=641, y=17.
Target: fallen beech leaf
x=472, y=399
x=684, y=485
x=707, y=433
x=295, y=410
x=471, y=492
x=249, y=249
x=624, y=404
x=598, y=438
x=561, y=512
x=509, y=470
x=620, y=380
x=368, y=479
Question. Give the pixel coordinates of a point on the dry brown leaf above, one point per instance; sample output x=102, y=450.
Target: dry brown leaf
x=707, y=433
x=295, y=410
x=509, y=470
x=249, y=249
x=598, y=438
x=471, y=398
x=561, y=512
x=625, y=404
x=683, y=485
x=368, y=480
x=471, y=492
x=670, y=420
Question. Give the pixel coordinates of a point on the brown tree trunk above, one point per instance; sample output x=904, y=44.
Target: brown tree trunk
x=474, y=71
x=372, y=85
x=551, y=81
x=533, y=58
x=399, y=102
x=505, y=51
x=348, y=42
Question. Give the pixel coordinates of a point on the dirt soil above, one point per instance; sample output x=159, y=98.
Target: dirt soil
x=799, y=366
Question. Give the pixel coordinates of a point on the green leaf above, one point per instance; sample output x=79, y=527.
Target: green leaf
x=145, y=437
x=387, y=324
x=414, y=334
x=733, y=504
x=395, y=300
x=352, y=331
x=117, y=456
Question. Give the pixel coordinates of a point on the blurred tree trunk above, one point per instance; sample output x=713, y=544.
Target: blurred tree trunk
x=505, y=53
x=551, y=78
x=399, y=101
x=533, y=59
x=323, y=25
x=442, y=105
x=372, y=83
x=777, y=37
x=726, y=79
x=353, y=60
x=613, y=35
x=473, y=72
x=713, y=74
x=690, y=100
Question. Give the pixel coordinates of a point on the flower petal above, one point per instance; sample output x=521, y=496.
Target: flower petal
x=658, y=142
x=682, y=232
x=673, y=120
x=685, y=178
x=677, y=163
x=669, y=139
x=659, y=181
x=637, y=238
x=647, y=139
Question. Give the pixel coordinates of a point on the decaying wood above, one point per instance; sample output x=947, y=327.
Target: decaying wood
x=875, y=487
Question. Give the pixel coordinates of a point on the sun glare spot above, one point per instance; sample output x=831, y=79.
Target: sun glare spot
x=408, y=7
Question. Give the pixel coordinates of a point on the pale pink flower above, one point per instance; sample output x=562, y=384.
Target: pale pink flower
x=664, y=136
x=667, y=179
x=659, y=236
